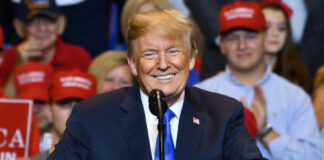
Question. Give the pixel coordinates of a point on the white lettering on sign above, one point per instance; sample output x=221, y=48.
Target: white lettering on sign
x=15, y=139
x=8, y=156
x=3, y=132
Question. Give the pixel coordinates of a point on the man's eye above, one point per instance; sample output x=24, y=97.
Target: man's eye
x=174, y=51
x=251, y=36
x=66, y=104
x=109, y=79
x=149, y=54
x=124, y=82
x=231, y=38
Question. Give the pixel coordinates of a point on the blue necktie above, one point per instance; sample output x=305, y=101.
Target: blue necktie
x=168, y=142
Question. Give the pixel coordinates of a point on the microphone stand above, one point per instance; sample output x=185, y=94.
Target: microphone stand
x=161, y=128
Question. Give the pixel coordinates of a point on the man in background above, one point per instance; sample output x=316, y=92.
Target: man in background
x=68, y=88
x=284, y=113
x=40, y=23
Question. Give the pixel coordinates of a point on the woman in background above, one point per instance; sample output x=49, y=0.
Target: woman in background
x=281, y=52
x=132, y=7
x=318, y=102
x=111, y=71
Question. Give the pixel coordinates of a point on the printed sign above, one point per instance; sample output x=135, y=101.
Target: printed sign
x=15, y=128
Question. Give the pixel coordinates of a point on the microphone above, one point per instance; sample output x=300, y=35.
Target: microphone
x=157, y=98
x=158, y=107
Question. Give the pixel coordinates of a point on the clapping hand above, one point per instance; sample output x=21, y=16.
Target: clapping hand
x=258, y=107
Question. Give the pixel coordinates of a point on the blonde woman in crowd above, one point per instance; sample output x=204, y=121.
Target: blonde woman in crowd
x=111, y=71
x=132, y=7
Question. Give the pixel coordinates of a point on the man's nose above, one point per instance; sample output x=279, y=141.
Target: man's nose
x=241, y=43
x=117, y=85
x=42, y=26
x=162, y=61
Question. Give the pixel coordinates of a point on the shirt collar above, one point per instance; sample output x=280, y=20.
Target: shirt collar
x=176, y=108
x=263, y=80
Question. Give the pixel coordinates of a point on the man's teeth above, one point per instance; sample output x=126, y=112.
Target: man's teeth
x=168, y=76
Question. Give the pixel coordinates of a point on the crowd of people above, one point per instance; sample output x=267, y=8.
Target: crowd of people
x=259, y=63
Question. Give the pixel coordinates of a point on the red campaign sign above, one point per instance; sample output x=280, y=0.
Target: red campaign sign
x=15, y=128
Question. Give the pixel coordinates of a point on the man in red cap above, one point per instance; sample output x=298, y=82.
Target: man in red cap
x=67, y=89
x=286, y=125
x=32, y=81
x=40, y=23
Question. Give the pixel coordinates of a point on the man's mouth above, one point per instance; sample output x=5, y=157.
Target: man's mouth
x=163, y=77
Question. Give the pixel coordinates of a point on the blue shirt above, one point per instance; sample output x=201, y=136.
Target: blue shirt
x=289, y=111
x=322, y=141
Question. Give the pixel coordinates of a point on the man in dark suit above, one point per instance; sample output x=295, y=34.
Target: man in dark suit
x=119, y=125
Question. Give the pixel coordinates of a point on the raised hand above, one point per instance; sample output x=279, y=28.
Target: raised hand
x=259, y=107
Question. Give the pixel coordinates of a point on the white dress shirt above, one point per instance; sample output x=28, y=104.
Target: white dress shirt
x=46, y=142
x=152, y=121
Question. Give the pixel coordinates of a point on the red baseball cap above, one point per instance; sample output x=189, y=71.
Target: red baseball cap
x=241, y=15
x=1, y=38
x=32, y=81
x=73, y=84
x=278, y=3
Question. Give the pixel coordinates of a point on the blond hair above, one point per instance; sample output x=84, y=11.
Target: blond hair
x=106, y=62
x=131, y=8
x=164, y=22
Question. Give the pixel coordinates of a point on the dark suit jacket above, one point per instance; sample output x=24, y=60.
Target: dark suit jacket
x=112, y=126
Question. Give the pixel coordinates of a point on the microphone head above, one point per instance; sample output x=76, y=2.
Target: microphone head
x=154, y=99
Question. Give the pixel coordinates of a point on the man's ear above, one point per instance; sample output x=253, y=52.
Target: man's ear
x=132, y=66
x=192, y=62
x=61, y=23
x=221, y=45
x=19, y=28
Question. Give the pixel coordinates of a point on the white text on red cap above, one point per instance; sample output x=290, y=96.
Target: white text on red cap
x=239, y=13
x=31, y=77
x=73, y=81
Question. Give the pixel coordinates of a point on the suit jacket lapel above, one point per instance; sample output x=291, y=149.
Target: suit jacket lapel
x=134, y=125
x=189, y=133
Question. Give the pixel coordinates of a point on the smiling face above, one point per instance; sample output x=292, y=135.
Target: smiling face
x=161, y=62
x=117, y=78
x=277, y=31
x=244, y=49
x=43, y=31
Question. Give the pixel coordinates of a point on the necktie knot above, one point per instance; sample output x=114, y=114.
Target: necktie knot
x=168, y=115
